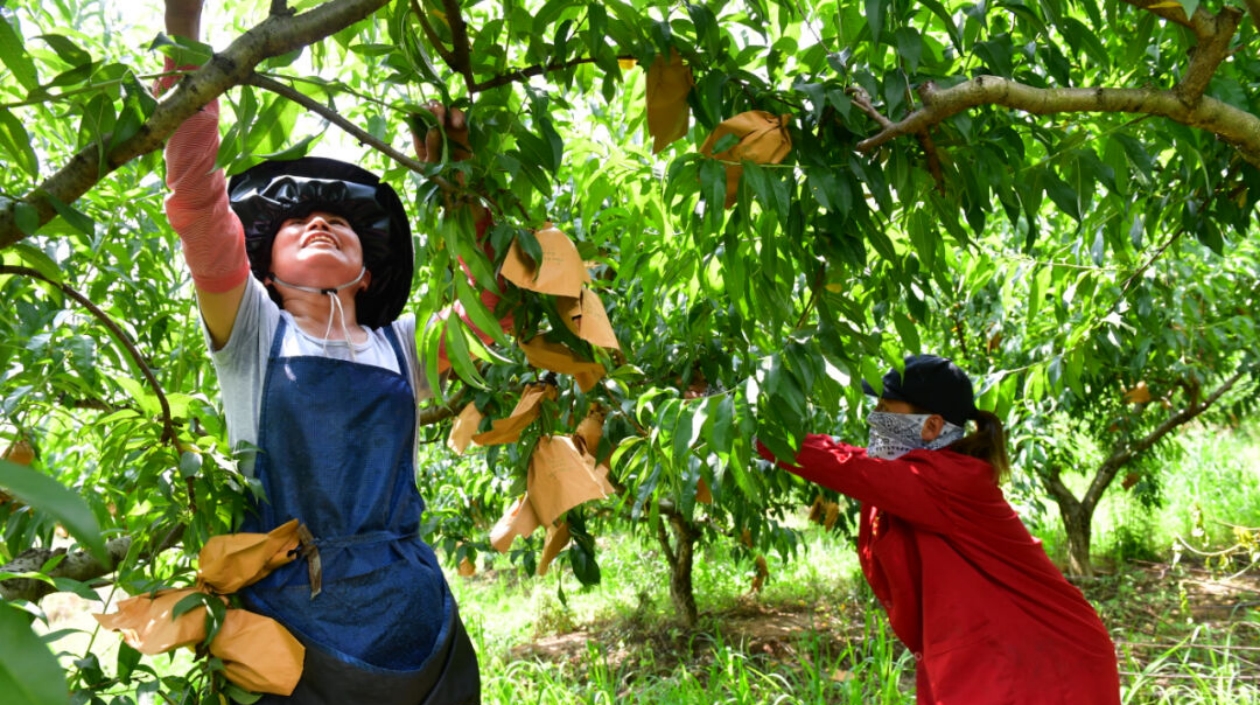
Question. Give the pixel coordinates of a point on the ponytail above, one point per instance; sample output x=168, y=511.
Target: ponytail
x=988, y=443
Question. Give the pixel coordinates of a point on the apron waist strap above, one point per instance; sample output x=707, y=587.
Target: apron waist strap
x=311, y=547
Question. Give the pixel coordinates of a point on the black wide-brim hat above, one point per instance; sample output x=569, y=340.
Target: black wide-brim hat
x=266, y=195
x=932, y=383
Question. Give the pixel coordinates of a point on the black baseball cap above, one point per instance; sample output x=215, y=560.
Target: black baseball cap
x=266, y=195
x=932, y=383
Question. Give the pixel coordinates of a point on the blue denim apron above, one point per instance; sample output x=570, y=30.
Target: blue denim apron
x=336, y=451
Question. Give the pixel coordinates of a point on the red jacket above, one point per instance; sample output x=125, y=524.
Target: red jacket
x=968, y=590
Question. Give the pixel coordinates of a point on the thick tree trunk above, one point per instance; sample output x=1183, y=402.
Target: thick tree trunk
x=1078, y=522
x=680, y=553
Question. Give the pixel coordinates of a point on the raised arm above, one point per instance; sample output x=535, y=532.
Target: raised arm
x=213, y=239
x=183, y=18
x=901, y=487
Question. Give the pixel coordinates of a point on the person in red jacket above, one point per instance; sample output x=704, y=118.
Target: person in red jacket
x=967, y=589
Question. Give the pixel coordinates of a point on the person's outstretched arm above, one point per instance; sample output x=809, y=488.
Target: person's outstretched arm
x=197, y=208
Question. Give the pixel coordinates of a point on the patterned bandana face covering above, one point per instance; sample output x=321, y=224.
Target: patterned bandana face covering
x=894, y=435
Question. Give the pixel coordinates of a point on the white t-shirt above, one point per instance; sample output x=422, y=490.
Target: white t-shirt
x=242, y=363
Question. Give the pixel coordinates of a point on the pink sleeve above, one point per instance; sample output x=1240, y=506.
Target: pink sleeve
x=213, y=238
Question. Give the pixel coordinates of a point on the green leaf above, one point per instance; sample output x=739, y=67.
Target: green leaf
x=46, y=494
x=722, y=430
x=690, y=422
x=184, y=51
x=713, y=190
x=77, y=220
x=946, y=19
x=1063, y=195
x=26, y=217
x=458, y=355
x=480, y=316
x=1189, y=6
x=16, y=142
x=37, y=260
x=29, y=673
x=531, y=248
x=909, y=47
x=240, y=695
x=295, y=151
x=875, y=18
x=190, y=602
x=908, y=331
x=14, y=55
x=69, y=52
x=582, y=553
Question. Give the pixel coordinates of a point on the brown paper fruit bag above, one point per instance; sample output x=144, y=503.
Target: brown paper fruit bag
x=258, y=654
x=464, y=428
x=527, y=409
x=546, y=355
x=518, y=520
x=561, y=271
x=587, y=318
x=763, y=139
x=557, y=538
x=559, y=478
x=669, y=81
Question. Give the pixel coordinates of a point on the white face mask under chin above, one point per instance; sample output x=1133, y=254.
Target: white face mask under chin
x=894, y=435
x=337, y=312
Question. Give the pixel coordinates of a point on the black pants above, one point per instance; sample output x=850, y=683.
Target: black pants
x=449, y=677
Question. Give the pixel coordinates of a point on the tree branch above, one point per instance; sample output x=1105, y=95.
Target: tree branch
x=431, y=34
x=1238, y=127
x=269, y=84
x=525, y=74
x=1215, y=33
x=662, y=535
x=274, y=36
x=863, y=100
x=1062, y=494
x=437, y=414
x=168, y=424
x=77, y=565
x=460, y=55
x=1111, y=466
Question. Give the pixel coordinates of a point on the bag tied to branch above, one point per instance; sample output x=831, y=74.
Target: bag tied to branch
x=258, y=653
x=669, y=81
x=561, y=272
x=763, y=139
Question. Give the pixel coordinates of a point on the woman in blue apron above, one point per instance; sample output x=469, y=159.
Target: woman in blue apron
x=320, y=376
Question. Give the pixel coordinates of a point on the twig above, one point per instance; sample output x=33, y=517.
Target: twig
x=862, y=99
x=437, y=414
x=168, y=424
x=1107, y=471
x=521, y=75
x=336, y=118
